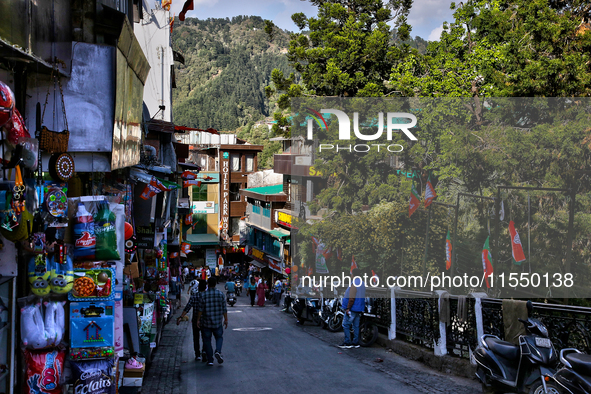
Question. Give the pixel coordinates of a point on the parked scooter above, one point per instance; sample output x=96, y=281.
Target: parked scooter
x=525, y=368
x=231, y=298
x=307, y=309
x=575, y=375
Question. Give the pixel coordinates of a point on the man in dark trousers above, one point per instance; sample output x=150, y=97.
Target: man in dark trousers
x=354, y=305
x=210, y=311
x=210, y=307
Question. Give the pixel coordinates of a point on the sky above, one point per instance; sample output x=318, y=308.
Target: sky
x=426, y=16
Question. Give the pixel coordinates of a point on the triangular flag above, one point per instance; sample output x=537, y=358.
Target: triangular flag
x=353, y=265
x=315, y=243
x=375, y=280
x=502, y=212
x=310, y=271
x=448, y=249
x=516, y=247
x=339, y=254
x=487, y=266
x=186, y=247
x=430, y=194
x=414, y=200
x=188, y=175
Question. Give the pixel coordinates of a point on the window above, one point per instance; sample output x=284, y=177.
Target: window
x=266, y=209
x=234, y=227
x=235, y=162
x=256, y=207
x=200, y=192
x=235, y=191
x=249, y=163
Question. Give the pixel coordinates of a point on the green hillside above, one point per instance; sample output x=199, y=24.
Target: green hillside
x=228, y=63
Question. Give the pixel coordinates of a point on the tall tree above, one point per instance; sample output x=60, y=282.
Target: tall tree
x=347, y=50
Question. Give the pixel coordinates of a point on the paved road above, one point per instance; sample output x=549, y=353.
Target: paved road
x=265, y=352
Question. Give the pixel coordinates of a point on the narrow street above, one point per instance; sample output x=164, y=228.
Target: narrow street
x=264, y=349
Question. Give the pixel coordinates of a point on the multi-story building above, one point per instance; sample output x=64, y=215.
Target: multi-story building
x=219, y=209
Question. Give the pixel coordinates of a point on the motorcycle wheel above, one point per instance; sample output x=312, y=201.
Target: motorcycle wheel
x=335, y=323
x=368, y=334
x=538, y=388
x=317, y=319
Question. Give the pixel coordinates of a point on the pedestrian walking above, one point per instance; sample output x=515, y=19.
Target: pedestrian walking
x=354, y=305
x=277, y=294
x=212, y=307
x=262, y=286
x=251, y=288
x=197, y=290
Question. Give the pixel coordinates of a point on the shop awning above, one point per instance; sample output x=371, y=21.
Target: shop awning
x=278, y=233
x=202, y=239
x=257, y=264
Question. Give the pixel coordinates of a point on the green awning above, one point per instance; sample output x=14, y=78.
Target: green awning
x=202, y=239
x=279, y=233
x=266, y=190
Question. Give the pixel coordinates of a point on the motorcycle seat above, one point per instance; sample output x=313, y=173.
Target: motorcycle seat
x=504, y=349
x=581, y=363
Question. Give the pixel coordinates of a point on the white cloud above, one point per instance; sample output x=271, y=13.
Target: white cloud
x=435, y=34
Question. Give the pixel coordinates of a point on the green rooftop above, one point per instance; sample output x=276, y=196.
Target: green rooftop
x=266, y=190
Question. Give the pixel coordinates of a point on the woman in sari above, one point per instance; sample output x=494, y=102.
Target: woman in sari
x=261, y=293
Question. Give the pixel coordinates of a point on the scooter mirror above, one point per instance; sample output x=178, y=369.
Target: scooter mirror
x=530, y=308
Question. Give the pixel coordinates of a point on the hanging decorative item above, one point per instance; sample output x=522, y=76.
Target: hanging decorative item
x=52, y=141
x=130, y=245
x=61, y=166
x=56, y=202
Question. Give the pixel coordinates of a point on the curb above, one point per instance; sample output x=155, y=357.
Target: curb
x=446, y=364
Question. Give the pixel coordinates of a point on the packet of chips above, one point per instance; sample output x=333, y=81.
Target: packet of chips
x=44, y=371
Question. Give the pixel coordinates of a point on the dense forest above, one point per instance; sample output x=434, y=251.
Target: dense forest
x=228, y=63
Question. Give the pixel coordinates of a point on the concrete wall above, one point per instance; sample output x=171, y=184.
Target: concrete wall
x=153, y=34
x=89, y=98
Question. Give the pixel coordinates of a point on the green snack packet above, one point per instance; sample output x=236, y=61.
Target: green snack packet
x=105, y=233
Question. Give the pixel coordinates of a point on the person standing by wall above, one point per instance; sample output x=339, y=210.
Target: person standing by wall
x=354, y=305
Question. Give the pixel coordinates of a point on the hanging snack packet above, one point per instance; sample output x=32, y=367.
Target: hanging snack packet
x=44, y=371
x=106, y=235
x=93, y=377
x=84, y=237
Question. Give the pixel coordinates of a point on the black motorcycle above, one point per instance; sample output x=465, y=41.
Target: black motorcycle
x=368, y=328
x=503, y=367
x=575, y=375
x=231, y=299
x=332, y=315
x=306, y=309
x=238, y=286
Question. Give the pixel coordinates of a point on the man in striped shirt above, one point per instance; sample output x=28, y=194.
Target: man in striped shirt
x=212, y=318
